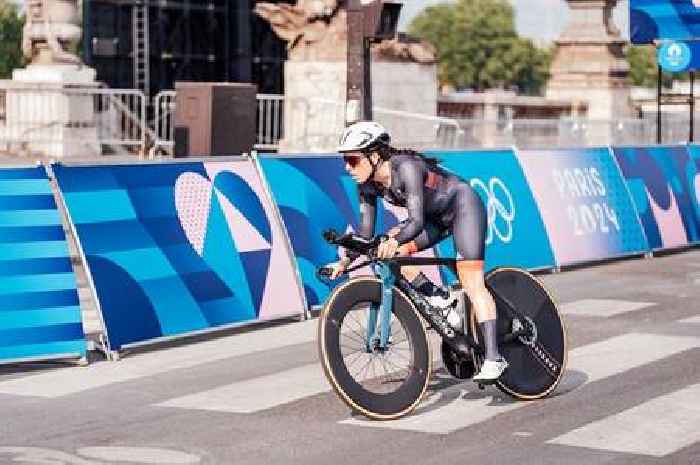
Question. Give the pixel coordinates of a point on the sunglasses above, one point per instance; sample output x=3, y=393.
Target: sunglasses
x=352, y=160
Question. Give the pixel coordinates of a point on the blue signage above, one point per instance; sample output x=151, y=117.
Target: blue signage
x=39, y=307
x=674, y=57
x=179, y=247
x=516, y=235
x=663, y=183
x=652, y=20
x=315, y=193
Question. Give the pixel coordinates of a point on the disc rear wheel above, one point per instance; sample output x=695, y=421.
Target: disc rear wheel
x=537, y=349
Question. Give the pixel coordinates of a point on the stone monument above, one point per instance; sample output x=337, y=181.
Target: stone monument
x=49, y=106
x=590, y=67
x=404, y=77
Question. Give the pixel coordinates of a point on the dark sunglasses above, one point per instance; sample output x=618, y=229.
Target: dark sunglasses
x=352, y=160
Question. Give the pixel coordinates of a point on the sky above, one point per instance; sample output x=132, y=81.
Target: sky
x=541, y=20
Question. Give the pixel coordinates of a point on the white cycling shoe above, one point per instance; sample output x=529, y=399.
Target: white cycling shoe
x=490, y=371
x=442, y=302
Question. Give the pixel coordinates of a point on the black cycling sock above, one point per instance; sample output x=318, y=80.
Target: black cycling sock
x=427, y=287
x=488, y=329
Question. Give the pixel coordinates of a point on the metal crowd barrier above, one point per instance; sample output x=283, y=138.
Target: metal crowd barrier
x=42, y=120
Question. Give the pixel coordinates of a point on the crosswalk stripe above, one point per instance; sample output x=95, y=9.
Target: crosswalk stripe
x=72, y=380
x=658, y=427
x=258, y=393
x=602, y=307
x=692, y=319
x=467, y=406
x=267, y=391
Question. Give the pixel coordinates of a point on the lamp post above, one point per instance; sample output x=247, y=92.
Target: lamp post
x=368, y=21
x=355, y=100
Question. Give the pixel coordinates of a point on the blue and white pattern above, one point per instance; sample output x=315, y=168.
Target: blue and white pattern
x=39, y=309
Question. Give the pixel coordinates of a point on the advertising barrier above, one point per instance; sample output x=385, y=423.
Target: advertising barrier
x=661, y=181
x=315, y=193
x=516, y=235
x=663, y=20
x=175, y=248
x=585, y=205
x=693, y=174
x=39, y=309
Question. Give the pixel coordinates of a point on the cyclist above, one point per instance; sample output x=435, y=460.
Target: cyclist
x=439, y=204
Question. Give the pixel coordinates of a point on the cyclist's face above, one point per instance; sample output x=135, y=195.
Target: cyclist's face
x=357, y=164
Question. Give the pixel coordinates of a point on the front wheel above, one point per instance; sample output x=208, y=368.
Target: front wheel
x=537, y=359
x=382, y=384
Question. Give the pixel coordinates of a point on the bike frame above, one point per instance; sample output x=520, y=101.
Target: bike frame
x=389, y=272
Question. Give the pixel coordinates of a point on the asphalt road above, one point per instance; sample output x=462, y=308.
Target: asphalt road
x=258, y=396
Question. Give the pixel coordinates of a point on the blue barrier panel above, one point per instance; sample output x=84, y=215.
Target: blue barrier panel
x=516, y=235
x=663, y=20
x=315, y=193
x=39, y=308
x=179, y=247
x=693, y=175
x=584, y=203
x=662, y=183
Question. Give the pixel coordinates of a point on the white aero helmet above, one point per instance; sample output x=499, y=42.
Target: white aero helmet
x=363, y=135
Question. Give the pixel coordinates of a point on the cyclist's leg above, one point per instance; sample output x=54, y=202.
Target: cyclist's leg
x=469, y=233
x=431, y=235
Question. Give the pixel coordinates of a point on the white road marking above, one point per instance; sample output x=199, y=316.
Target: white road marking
x=467, y=406
x=658, y=427
x=258, y=393
x=72, y=380
x=693, y=319
x=602, y=307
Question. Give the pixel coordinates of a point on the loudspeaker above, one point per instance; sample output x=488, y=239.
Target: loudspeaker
x=219, y=117
x=181, y=138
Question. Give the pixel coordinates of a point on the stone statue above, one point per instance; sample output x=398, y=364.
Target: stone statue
x=51, y=28
x=316, y=30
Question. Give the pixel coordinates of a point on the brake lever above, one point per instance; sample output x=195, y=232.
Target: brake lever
x=323, y=274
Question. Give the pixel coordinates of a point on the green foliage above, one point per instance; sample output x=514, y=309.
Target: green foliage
x=11, y=23
x=644, y=67
x=478, y=46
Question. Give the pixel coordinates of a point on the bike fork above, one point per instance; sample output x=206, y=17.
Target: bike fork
x=378, y=334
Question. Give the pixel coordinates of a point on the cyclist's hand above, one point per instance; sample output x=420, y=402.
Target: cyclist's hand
x=387, y=248
x=338, y=268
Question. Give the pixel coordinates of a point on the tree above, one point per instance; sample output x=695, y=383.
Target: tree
x=11, y=24
x=644, y=67
x=478, y=46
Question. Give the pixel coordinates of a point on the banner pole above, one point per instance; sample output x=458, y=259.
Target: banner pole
x=692, y=105
x=658, y=105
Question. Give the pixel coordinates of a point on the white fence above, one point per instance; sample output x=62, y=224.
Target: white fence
x=75, y=121
x=71, y=121
x=269, y=121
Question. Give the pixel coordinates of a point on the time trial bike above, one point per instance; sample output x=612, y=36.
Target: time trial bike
x=375, y=350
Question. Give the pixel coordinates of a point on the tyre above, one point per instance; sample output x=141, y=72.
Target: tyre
x=536, y=362
x=380, y=384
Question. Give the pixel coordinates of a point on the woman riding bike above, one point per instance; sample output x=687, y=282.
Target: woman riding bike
x=439, y=204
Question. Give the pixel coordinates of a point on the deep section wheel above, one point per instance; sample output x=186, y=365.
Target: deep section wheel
x=380, y=383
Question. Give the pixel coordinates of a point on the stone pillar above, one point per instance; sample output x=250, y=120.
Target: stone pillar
x=49, y=108
x=589, y=66
x=404, y=78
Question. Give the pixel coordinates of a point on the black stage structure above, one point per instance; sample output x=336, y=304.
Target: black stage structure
x=150, y=44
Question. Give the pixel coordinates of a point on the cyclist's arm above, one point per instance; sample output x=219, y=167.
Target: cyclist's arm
x=411, y=176
x=368, y=216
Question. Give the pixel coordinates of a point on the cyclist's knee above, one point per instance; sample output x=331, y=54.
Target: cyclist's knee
x=410, y=272
x=408, y=249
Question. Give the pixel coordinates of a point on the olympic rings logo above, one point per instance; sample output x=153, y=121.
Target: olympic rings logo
x=499, y=201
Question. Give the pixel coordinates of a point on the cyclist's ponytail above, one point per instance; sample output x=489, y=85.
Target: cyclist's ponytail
x=387, y=151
